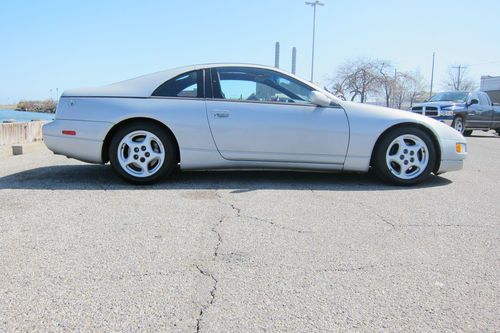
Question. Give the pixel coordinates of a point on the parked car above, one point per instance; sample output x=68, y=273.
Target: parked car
x=463, y=110
x=235, y=116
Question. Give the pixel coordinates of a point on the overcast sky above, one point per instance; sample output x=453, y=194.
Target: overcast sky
x=66, y=44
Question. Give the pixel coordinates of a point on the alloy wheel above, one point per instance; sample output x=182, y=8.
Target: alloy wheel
x=407, y=156
x=141, y=153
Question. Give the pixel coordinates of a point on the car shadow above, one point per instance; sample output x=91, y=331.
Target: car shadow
x=101, y=177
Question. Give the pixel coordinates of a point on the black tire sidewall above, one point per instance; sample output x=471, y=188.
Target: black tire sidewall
x=170, y=152
x=380, y=166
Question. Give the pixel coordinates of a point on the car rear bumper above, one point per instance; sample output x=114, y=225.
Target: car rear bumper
x=84, y=143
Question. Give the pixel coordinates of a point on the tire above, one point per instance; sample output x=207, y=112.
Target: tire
x=138, y=161
x=467, y=132
x=498, y=131
x=458, y=124
x=404, y=156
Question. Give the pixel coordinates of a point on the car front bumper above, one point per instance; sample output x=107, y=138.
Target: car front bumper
x=451, y=159
x=448, y=120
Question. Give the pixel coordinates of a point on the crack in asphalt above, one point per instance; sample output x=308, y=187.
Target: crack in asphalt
x=217, y=246
x=385, y=220
x=382, y=218
x=259, y=219
x=212, y=297
x=214, y=229
x=219, y=238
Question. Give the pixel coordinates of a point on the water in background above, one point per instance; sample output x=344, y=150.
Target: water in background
x=24, y=116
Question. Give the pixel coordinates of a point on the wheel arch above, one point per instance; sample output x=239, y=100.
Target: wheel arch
x=424, y=128
x=117, y=126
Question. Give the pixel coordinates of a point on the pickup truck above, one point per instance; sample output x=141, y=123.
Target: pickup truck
x=463, y=110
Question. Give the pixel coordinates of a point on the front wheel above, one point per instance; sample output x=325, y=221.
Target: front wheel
x=142, y=153
x=404, y=156
x=458, y=124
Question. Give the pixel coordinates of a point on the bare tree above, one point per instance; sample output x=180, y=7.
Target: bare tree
x=408, y=88
x=400, y=90
x=357, y=79
x=458, y=79
x=388, y=80
x=361, y=78
x=339, y=89
x=416, y=87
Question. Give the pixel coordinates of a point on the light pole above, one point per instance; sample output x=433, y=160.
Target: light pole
x=314, y=5
x=432, y=73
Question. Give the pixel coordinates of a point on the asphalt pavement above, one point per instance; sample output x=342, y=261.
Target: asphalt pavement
x=80, y=250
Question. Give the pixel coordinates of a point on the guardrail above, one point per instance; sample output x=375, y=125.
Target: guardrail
x=21, y=132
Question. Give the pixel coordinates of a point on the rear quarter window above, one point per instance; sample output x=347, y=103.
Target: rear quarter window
x=186, y=85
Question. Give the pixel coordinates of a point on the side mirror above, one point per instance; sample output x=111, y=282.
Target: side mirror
x=473, y=101
x=319, y=99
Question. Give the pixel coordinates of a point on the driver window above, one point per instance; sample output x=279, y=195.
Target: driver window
x=250, y=84
x=483, y=100
x=474, y=96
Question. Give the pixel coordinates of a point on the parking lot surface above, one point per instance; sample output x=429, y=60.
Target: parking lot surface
x=248, y=251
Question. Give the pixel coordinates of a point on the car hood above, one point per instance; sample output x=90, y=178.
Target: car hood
x=440, y=104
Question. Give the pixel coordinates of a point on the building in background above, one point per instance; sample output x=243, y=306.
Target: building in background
x=491, y=86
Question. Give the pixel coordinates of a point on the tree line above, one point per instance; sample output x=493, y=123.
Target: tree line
x=47, y=106
x=379, y=80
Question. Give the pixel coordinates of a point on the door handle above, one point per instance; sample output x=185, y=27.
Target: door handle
x=220, y=114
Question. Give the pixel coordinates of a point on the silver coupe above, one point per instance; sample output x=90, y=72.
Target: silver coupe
x=239, y=116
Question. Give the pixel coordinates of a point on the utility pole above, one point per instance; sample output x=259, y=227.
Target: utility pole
x=294, y=59
x=458, y=85
x=432, y=73
x=314, y=5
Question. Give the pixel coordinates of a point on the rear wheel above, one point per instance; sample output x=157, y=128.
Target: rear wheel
x=142, y=153
x=405, y=156
x=498, y=131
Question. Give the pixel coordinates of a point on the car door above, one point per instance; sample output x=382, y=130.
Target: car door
x=487, y=112
x=263, y=115
x=480, y=114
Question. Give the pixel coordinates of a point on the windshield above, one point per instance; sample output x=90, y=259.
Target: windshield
x=452, y=96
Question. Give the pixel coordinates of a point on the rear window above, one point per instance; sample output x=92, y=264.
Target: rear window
x=187, y=85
